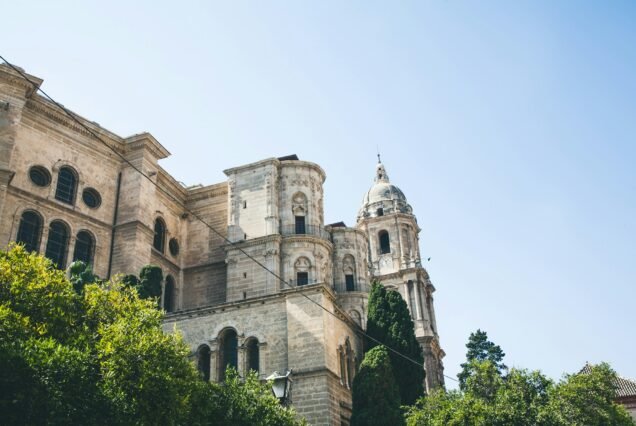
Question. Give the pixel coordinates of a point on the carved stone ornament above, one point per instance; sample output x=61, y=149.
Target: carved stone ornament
x=299, y=204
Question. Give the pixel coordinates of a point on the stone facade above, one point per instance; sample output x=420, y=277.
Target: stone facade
x=66, y=195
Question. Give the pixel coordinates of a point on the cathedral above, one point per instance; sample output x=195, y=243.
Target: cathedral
x=253, y=277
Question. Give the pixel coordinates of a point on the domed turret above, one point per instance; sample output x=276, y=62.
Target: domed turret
x=383, y=197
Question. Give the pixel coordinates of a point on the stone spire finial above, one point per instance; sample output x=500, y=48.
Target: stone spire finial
x=380, y=172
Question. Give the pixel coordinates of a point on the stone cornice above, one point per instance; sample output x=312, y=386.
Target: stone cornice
x=418, y=270
x=203, y=192
x=406, y=217
x=240, y=304
x=41, y=106
x=251, y=166
x=252, y=242
x=218, y=263
x=308, y=238
x=147, y=141
x=308, y=164
x=14, y=78
x=341, y=229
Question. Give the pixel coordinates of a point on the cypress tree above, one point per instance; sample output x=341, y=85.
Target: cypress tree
x=376, y=399
x=389, y=321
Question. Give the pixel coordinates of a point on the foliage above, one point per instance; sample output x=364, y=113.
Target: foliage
x=481, y=349
x=376, y=399
x=585, y=399
x=100, y=357
x=81, y=274
x=148, y=285
x=242, y=402
x=389, y=322
x=523, y=398
x=150, y=278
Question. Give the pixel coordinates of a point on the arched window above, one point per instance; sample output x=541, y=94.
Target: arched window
x=302, y=266
x=203, y=362
x=57, y=244
x=30, y=231
x=349, y=269
x=385, y=242
x=66, y=185
x=252, y=354
x=169, y=294
x=299, y=208
x=228, y=353
x=160, y=235
x=84, y=247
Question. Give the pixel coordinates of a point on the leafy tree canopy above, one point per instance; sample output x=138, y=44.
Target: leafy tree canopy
x=376, y=398
x=521, y=398
x=389, y=322
x=481, y=349
x=100, y=357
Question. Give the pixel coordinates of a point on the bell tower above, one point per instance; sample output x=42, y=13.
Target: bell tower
x=394, y=259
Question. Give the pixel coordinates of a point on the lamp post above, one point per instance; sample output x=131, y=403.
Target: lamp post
x=281, y=386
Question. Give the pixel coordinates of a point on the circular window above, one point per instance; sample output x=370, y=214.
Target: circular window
x=91, y=198
x=173, y=246
x=39, y=176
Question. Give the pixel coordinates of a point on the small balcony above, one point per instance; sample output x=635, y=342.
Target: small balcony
x=302, y=229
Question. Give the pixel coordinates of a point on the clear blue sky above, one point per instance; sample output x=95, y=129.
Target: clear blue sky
x=510, y=126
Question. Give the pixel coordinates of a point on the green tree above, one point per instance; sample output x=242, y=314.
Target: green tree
x=523, y=398
x=585, y=399
x=376, y=398
x=389, y=322
x=481, y=349
x=100, y=357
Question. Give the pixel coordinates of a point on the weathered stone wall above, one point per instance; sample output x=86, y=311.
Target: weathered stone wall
x=305, y=179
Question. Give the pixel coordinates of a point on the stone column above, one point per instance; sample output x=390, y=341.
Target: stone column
x=214, y=349
x=71, y=250
x=240, y=360
x=416, y=285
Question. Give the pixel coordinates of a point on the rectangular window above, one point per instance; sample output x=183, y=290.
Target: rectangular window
x=349, y=282
x=302, y=278
x=300, y=224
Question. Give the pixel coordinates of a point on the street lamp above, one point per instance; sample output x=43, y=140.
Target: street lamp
x=281, y=386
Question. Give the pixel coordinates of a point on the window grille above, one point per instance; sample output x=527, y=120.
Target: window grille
x=57, y=244
x=159, y=240
x=39, y=176
x=350, y=283
x=91, y=198
x=84, y=247
x=30, y=231
x=66, y=185
x=302, y=278
x=300, y=225
x=385, y=242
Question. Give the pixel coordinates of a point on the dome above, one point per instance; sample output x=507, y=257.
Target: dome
x=383, y=197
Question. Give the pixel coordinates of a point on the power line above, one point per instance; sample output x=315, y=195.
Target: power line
x=196, y=216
